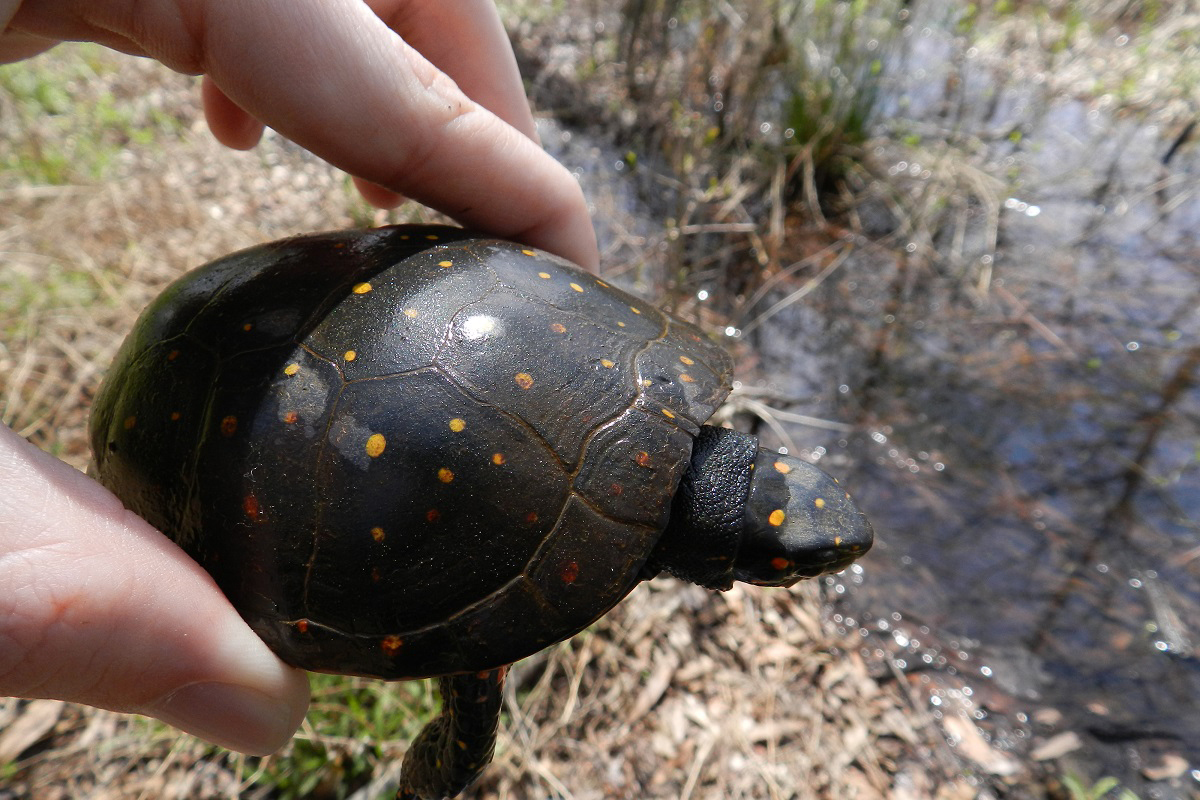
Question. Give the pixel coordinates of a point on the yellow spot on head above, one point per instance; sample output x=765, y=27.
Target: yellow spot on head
x=375, y=444
x=411, y=313
x=446, y=263
x=782, y=467
x=457, y=425
x=577, y=287
x=445, y=475
x=607, y=363
x=777, y=517
x=361, y=288
x=686, y=360
x=498, y=459
x=819, y=502
x=523, y=379
x=350, y=355
x=291, y=369
x=377, y=533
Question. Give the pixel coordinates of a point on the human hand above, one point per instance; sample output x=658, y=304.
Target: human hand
x=421, y=97
x=97, y=607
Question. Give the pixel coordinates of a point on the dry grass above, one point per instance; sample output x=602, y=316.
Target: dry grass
x=679, y=693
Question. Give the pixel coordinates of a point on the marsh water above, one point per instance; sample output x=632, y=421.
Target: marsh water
x=1021, y=420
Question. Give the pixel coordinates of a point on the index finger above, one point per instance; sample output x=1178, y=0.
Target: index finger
x=334, y=78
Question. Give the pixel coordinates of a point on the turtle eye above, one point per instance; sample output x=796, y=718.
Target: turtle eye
x=798, y=524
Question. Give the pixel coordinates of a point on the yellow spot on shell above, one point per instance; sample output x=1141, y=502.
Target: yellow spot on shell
x=375, y=444
x=777, y=517
x=819, y=502
x=229, y=425
x=620, y=324
x=635, y=309
x=445, y=475
x=602, y=283
x=523, y=379
x=558, y=327
x=377, y=533
x=411, y=313
x=529, y=252
x=362, y=288
x=667, y=413
x=457, y=425
x=544, y=276
x=498, y=459
x=433, y=237
x=291, y=369
x=350, y=355
x=607, y=363
x=446, y=263
x=577, y=287
x=686, y=360
x=683, y=376
x=782, y=467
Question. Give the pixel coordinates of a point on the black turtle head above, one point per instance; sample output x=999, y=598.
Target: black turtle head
x=751, y=515
x=798, y=523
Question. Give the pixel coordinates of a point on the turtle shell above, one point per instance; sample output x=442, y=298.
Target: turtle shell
x=407, y=451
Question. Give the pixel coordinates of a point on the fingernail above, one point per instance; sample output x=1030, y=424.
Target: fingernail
x=232, y=716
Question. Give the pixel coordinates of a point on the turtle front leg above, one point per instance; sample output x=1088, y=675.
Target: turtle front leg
x=453, y=749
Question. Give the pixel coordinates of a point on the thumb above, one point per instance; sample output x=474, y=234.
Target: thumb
x=97, y=607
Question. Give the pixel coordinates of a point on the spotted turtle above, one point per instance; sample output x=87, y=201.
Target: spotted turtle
x=414, y=451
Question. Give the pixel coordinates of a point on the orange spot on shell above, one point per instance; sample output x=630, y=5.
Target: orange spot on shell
x=558, y=327
x=607, y=363
x=668, y=413
x=375, y=445
x=250, y=506
x=570, y=572
x=780, y=563
x=229, y=425
x=249, y=326
x=683, y=376
x=531, y=517
x=498, y=459
x=643, y=459
x=782, y=467
x=291, y=417
x=361, y=288
x=391, y=644
x=523, y=379
x=445, y=475
x=433, y=515
x=302, y=625
x=686, y=360
x=176, y=416
x=377, y=533
x=777, y=517
x=171, y=356
x=129, y=423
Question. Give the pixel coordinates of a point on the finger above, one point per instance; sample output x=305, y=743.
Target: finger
x=378, y=196
x=97, y=607
x=231, y=126
x=467, y=41
x=361, y=98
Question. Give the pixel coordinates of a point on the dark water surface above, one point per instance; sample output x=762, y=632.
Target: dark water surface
x=1022, y=416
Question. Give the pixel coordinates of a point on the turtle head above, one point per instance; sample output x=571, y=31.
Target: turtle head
x=748, y=514
x=798, y=523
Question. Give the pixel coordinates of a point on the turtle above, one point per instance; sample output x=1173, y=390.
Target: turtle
x=419, y=452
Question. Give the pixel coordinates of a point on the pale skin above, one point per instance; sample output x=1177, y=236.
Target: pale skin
x=414, y=98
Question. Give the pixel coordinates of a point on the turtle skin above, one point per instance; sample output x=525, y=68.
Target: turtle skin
x=415, y=451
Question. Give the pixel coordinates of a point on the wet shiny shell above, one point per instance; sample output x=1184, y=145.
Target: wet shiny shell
x=406, y=451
